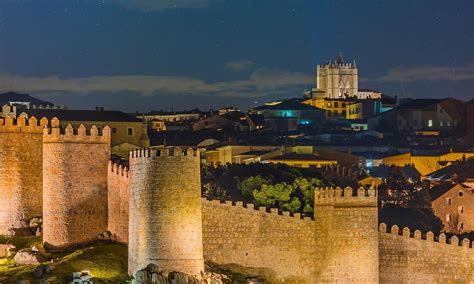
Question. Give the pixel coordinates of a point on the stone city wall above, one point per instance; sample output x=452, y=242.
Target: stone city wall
x=21, y=179
x=165, y=210
x=346, y=235
x=413, y=257
x=74, y=184
x=118, y=181
x=253, y=241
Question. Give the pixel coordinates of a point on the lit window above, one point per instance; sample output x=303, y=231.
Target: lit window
x=448, y=123
x=130, y=131
x=430, y=123
x=448, y=217
x=448, y=200
x=441, y=123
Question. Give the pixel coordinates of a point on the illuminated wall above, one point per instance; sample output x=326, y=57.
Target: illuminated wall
x=118, y=183
x=410, y=257
x=20, y=171
x=346, y=235
x=165, y=211
x=74, y=184
x=250, y=240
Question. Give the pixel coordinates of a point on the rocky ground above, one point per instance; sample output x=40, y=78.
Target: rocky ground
x=27, y=262
x=24, y=260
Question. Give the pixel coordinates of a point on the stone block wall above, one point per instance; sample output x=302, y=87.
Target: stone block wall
x=165, y=211
x=250, y=240
x=74, y=184
x=413, y=257
x=346, y=235
x=21, y=154
x=118, y=181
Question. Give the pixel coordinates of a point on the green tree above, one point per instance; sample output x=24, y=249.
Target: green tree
x=250, y=184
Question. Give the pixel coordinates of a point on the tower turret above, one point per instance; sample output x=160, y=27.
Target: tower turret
x=74, y=184
x=346, y=235
x=165, y=226
x=20, y=170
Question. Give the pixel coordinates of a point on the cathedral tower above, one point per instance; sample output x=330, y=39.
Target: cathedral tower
x=337, y=80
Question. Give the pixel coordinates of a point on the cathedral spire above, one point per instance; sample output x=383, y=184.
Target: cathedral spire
x=340, y=59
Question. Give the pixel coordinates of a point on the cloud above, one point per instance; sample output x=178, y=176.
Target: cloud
x=428, y=73
x=239, y=64
x=261, y=82
x=159, y=5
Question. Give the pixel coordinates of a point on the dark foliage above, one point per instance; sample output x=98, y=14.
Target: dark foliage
x=406, y=202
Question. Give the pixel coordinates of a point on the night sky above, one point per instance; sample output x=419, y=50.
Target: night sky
x=162, y=54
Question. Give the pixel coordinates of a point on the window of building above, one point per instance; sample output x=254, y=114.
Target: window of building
x=441, y=123
x=336, y=104
x=448, y=217
x=414, y=122
x=430, y=123
x=114, y=130
x=461, y=193
x=329, y=104
x=460, y=209
x=343, y=105
x=130, y=131
x=448, y=200
x=448, y=123
x=440, y=110
x=461, y=226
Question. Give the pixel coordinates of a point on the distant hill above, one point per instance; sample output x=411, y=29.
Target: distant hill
x=6, y=98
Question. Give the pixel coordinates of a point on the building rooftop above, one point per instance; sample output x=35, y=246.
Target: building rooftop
x=301, y=157
x=5, y=98
x=254, y=153
x=163, y=112
x=291, y=104
x=440, y=189
x=460, y=171
x=419, y=103
x=386, y=171
x=82, y=115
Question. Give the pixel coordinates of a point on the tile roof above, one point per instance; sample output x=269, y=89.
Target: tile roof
x=82, y=115
x=296, y=156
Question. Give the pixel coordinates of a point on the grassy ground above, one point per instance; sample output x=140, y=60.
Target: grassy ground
x=106, y=262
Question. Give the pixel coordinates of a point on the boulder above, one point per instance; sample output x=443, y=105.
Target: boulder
x=6, y=250
x=27, y=256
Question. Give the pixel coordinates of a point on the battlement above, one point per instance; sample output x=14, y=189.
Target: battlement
x=165, y=152
x=118, y=169
x=256, y=209
x=429, y=236
x=22, y=125
x=345, y=196
x=57, y=134
x=348, y=65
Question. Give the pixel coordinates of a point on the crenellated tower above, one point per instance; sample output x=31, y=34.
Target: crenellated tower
x=20, y=170
x=165, y=226
x=346, y=235
x=337, y=80
x=74, y=183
